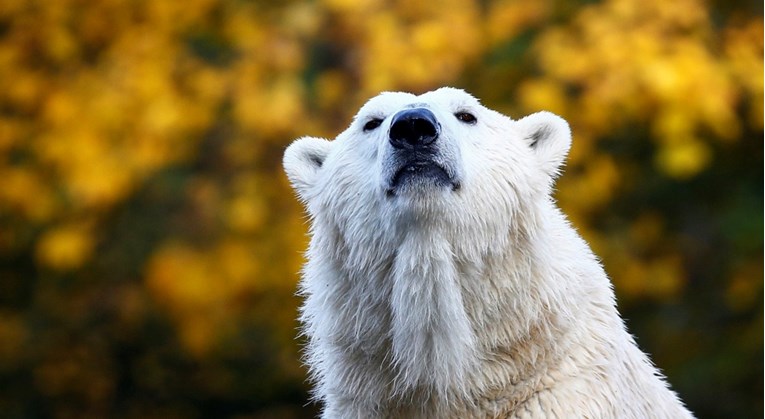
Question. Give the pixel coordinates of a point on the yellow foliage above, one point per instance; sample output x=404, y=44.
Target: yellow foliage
x=203, y=289
x=75, y=371
x=545, y=94
x=647, y=230
x=598, y=181
x=683, y=157
x=508, y=18
x=13, y=335
x=661, y=278
x=638, y=59
x=666, y=277
x=331, y=89
x=744, y=52
x=303, y=18
x=350, y=6
x=66, y=247
x=198, y=332
x=269, y=110
x=27, y=193
x=745, y=287
x=127, y=92
x=182, y=280
x=429, y=50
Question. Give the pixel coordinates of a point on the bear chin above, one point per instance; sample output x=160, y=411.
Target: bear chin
x=421, y=176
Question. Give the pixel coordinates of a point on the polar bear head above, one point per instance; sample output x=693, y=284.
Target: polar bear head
x=440, y=158
x=409, y=205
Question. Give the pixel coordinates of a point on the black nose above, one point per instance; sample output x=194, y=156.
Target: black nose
x=412, y=128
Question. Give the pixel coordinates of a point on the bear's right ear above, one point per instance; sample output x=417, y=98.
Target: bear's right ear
x=302, y=161
x=550, y=137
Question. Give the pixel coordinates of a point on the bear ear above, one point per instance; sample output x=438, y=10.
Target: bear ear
x=303, y=160
x=550, y=137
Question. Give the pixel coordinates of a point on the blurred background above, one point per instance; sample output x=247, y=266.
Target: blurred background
x=150, y=244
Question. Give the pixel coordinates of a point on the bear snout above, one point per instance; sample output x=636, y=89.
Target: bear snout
x=417, y=158
x=413, y=128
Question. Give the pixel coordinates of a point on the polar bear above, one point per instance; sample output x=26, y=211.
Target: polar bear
x=443, y=282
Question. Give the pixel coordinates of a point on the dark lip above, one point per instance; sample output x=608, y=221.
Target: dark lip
x=422, y=169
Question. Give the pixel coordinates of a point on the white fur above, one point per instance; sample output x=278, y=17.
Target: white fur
x=476, y=302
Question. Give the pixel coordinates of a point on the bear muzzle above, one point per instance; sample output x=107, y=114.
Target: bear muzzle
x=415, y=157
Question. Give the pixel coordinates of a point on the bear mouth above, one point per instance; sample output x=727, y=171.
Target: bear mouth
x=421, y=172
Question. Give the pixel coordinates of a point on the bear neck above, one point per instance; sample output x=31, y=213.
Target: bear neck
x=432, y=339
x=413, y=305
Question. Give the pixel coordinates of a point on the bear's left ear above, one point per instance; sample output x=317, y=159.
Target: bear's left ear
x=303, y=160
x=550, y=137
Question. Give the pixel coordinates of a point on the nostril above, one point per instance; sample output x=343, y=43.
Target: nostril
x=413, y=127
x=424, y=128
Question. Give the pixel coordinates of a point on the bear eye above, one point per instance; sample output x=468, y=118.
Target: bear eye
x=466, y=117
x=372, y=124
